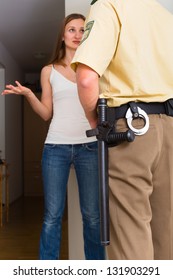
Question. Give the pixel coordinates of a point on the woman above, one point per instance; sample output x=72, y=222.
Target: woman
x=65, y=144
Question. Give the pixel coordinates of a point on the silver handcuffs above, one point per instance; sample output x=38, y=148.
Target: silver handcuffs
x=141, y=114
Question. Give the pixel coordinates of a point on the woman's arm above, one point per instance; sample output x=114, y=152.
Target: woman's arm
x=44, y=107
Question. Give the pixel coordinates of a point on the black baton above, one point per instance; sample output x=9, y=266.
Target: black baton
x=103, y=177
x=114, y=138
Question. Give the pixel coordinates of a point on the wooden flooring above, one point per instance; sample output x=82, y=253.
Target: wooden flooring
x=19, y=238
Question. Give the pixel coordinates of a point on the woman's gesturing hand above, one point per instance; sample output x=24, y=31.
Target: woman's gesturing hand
x=19, y=89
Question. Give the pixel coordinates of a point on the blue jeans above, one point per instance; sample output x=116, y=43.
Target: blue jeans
x=56, y=162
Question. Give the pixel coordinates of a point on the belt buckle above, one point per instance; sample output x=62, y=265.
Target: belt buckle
x=143, y=115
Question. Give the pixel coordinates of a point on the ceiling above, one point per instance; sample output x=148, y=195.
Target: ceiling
x=28, y=30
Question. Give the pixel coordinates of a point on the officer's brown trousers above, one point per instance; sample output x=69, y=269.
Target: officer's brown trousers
x=141, y=193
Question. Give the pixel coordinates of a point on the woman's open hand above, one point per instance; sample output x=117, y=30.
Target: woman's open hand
x=19, y=89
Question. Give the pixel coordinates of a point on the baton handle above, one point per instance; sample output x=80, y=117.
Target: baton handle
x=103, y=177
x=121, y=136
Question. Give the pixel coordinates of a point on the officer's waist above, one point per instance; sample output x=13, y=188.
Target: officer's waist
x=150, y=108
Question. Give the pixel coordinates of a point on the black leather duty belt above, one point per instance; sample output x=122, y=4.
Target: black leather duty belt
x=150, y=108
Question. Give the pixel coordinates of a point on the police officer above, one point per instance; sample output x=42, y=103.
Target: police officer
x=126, y=57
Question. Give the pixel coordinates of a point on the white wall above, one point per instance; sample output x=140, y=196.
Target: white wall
x=167, y=4
x=76, y=244
x=77, y=6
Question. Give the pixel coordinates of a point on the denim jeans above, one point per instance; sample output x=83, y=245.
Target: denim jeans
x=56, y=163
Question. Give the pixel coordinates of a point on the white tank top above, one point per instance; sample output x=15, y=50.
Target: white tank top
x=68, y=124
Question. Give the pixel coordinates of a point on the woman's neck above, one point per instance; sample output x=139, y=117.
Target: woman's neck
x=68, y=57
x=65, y=69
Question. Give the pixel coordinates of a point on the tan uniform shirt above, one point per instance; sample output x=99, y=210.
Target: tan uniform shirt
x=129, y=43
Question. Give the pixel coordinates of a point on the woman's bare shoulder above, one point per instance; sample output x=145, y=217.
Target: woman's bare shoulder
x=46, y=69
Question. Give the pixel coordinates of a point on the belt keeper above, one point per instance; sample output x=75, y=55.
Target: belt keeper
x=169, y=107
x=134, y=109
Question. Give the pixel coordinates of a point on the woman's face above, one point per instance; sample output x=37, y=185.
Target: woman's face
x=73, y=33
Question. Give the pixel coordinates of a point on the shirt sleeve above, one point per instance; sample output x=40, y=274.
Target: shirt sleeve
x=100, y=38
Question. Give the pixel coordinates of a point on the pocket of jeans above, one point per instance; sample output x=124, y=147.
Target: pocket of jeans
x=92, y=146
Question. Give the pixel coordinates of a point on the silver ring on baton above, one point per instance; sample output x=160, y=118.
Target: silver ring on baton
x=142, y=115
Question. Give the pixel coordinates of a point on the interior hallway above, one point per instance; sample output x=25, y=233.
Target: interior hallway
x=19, y=238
